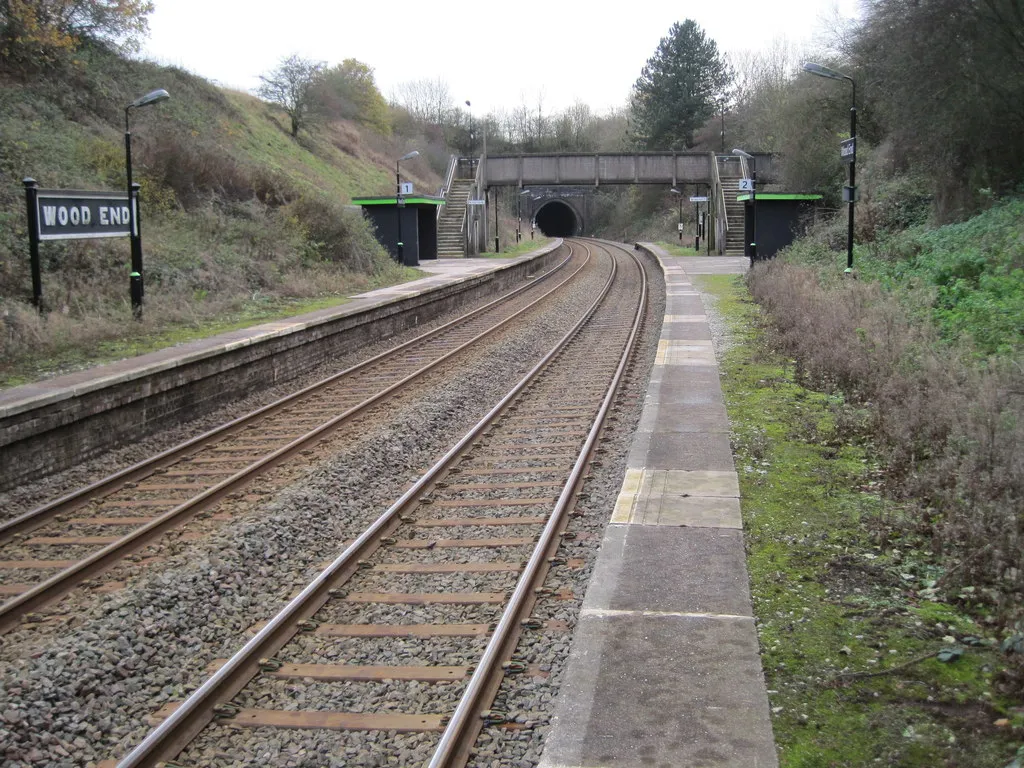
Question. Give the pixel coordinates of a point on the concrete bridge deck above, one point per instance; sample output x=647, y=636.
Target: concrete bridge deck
x=610, y=168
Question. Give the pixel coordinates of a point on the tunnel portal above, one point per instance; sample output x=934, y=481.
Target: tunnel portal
x=556, y=219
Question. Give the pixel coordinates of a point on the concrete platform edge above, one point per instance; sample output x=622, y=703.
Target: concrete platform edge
x=665, y=665
x=52, y=424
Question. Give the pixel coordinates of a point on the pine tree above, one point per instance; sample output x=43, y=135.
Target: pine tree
x=678, y=89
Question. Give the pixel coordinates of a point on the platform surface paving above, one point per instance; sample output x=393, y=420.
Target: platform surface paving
x=664, y=669
x=441, y=272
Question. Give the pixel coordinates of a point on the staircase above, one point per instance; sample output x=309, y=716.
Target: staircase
x=451, y=236
x=730, y=171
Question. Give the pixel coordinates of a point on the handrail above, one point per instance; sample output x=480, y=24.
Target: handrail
x=453, y=161
x=474, y=194
x=722, y=220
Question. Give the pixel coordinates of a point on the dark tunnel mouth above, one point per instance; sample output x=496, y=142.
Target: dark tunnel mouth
x=556, y=219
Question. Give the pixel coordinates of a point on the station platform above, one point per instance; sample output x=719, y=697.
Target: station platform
x=442, y=272
x=665, y=667
x=54, y=423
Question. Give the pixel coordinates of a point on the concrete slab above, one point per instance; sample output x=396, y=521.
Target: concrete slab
x=684, y=417
x=686, y=331
x=681, y=450
x=670, y=570
x=693, y=702
x=684, y=304
x=697, y=352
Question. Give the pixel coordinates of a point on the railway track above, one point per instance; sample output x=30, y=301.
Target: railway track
x=49, y=551
x=443, y=582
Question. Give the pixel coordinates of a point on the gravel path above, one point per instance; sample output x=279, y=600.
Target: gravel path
x=79, y=691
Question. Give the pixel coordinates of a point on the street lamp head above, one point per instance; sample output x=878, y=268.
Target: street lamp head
x=741, y=153
x=468, y=104
x=152, y=97
x=675, y=191
x=409, y=156
x=820, y=71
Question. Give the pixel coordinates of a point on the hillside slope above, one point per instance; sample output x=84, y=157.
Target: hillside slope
x=238, y=217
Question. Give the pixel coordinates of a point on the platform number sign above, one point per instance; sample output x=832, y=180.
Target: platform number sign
x=848, y=150
x=746, y=185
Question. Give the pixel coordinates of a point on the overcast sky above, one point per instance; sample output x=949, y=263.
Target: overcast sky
x=496, y=53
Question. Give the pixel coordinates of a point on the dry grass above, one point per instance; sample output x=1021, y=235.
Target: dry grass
x=950, y=428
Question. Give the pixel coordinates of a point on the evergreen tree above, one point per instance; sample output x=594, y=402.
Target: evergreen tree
x=678, y=89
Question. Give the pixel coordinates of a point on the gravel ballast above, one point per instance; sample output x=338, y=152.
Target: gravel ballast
x=78, y=689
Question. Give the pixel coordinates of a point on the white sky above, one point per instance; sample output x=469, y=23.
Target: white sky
x=496, y=53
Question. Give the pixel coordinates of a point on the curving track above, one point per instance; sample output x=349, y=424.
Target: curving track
x=449, y=574
x=49, y=551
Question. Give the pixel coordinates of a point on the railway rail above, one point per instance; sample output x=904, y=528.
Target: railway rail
x=460, y=559
x=130, y=509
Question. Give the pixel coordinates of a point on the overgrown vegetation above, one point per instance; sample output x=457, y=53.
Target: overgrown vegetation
x=875, y=651
x=237, y=215
x=927, y=352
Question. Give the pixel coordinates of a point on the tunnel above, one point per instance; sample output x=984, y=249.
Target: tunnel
x=556, y=219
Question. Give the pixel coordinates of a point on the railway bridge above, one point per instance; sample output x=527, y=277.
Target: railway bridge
x=554, y=187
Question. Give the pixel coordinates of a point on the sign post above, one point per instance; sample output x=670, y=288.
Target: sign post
x=31, y=192
x=848, y=150
x=67, y=214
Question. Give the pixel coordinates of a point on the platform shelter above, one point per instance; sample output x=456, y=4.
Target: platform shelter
x=418, y=224
x=781, y=217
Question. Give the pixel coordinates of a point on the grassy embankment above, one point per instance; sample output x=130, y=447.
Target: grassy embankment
x=241, y=222
x=878, y=428
x=851, y=633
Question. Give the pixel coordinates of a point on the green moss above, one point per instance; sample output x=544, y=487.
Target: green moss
x=838, y=599
x=674, y=249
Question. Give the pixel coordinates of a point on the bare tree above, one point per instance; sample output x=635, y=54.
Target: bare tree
x=428, y=100
x=290, y=86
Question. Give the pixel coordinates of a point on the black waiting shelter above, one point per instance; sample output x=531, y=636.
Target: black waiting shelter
x=780, y=218
x=419, y=224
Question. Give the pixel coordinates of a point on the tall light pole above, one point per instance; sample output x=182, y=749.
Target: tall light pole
x=753, y=201
x=679, y=226
x=400, y=202
x=134, y=230
x=850, y=155
x=470, y=107
x=723, y=126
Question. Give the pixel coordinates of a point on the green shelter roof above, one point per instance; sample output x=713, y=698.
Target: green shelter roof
x=392, y=200
x=779, y=196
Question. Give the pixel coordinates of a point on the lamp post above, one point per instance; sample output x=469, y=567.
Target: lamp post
x=753, y=202
x=679, y=226
x=400, y=201
x=134, y=231
x=723, y=126
x=851, y=158
x=471, y=137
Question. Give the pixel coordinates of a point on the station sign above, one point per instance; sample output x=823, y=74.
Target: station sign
x=848, y=150
x=71, y=215
x=699, y=199
x=476, y=202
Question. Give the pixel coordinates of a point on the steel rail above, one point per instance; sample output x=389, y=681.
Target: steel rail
x=63, y=582
x=181, y=726
x=72, y=501
x=452, y=749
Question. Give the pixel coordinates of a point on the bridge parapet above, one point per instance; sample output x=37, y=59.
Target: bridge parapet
x=610, y=168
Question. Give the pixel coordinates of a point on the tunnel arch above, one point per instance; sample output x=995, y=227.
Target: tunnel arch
x=557, y=219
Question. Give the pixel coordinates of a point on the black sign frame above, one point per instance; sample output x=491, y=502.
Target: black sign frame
x=848, y=150
x=68, y=214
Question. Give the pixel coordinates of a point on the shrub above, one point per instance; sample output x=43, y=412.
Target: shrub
x=949, y=430
x=338, y=234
